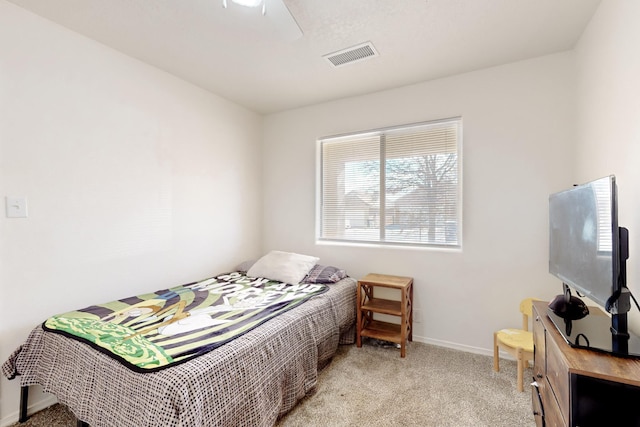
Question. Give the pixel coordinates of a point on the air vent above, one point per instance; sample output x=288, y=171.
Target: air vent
x=352, y=54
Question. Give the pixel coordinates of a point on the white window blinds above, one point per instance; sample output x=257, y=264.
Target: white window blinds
x=397, y=186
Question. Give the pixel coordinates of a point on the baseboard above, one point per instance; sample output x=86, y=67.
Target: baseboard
x=41, y=404
x=461, y=347
x=454, y=346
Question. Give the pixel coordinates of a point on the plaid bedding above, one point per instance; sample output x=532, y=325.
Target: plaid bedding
x=152, y=331
x=250, y=381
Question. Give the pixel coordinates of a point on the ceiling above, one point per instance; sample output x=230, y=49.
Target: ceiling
x=261, y=63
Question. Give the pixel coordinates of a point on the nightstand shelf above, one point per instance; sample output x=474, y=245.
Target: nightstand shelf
x=381, y=331
x=368, y=305
x=379, y=305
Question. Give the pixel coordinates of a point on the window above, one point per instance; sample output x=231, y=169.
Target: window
x=394, y=186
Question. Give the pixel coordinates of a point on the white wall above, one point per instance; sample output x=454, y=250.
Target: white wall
x=518, y=135
x=135, y=179
x=608, y=115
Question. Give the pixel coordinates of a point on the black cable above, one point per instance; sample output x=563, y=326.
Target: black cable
x=585, y=338
x=634, y=299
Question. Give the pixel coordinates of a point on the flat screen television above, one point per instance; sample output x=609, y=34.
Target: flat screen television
x=588, y=253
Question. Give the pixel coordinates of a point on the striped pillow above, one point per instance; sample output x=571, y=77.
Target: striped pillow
x=324, y=274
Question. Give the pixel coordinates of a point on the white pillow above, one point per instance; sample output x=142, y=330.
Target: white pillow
x=284, y=267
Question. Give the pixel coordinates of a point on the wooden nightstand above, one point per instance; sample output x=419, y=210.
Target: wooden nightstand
x=368, y=305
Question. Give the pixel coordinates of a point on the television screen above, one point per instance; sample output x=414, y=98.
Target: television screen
x=583, y=238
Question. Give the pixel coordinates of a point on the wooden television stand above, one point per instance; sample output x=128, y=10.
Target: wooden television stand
x=580, y=387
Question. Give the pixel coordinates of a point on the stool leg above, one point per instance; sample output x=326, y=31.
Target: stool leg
x=496, y=358
x=520, y=370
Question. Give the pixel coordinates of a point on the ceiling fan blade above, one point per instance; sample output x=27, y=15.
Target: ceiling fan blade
x=284, y=21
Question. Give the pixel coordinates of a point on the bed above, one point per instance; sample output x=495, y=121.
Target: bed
x=251, y=380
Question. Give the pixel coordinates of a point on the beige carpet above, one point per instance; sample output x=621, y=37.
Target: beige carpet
x=373, y=386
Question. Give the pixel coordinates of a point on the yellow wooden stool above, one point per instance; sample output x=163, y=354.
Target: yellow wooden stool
x=517, y=342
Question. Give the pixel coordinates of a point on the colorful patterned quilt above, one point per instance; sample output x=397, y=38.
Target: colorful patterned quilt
x=153, y=331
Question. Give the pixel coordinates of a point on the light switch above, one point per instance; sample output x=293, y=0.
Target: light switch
x=16, y=207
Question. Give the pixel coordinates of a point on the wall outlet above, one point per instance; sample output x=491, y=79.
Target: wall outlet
x=417, y=316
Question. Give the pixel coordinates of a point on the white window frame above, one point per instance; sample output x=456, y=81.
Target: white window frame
x=455, y=121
